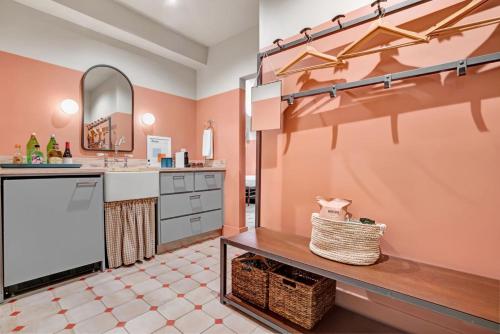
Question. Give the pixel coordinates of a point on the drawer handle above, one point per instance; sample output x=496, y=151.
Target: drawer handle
x=195, y=219
x=210, y=176
x=86, y=184
x=195, y=197
x=178, y=177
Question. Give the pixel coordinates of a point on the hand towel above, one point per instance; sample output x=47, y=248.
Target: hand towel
x=208, y=144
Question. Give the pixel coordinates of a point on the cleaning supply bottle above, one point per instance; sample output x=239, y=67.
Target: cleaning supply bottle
x=18, y=156
x=55, y=156
x=30, y=147
x=51, y=143
x=37, y=156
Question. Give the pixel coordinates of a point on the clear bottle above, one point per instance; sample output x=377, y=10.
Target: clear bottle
x=30, y=147
x=51, y=143
x=67, y=156
x=17, y=158
x=55, y=156
x=36, y=155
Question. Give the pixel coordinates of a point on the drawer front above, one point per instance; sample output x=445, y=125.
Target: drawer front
x=174, y=229
x=208, y=180
x=183, y=227
x=189, y=203
x=211, y=221
x=51, y=225
x=171, y=183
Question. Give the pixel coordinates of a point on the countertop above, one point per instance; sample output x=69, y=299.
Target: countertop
x=4, y=172
x=10, y=172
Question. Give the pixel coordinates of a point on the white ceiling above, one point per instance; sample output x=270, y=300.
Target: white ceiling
x=207, y=22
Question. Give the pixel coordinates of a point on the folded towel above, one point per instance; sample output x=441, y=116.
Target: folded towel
x=208, y=144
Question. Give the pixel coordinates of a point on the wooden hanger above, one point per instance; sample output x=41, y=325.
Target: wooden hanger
x=309, y=51
x=381, y=26
x=454, y=17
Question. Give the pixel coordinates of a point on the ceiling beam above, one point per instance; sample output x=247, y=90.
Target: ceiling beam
x=116, y=21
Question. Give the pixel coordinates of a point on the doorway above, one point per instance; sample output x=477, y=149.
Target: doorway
x=250, y=154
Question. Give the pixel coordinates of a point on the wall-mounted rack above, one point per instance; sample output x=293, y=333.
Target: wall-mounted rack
x=343, y=26
x=460, y=66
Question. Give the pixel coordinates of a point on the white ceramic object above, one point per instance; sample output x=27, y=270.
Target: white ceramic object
x=125, y=185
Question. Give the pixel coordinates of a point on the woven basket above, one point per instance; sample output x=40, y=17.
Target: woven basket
x=250, y=278
x=347, y=242
x=299, y=296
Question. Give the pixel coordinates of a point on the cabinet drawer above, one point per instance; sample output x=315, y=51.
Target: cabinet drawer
x=208, y=180
x=171, y=183
x=183, y=227
x=189, y=203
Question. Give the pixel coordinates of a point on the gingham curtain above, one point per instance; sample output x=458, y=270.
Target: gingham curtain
x=130, y=231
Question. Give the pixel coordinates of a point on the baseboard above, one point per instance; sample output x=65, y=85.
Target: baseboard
x=170, y=246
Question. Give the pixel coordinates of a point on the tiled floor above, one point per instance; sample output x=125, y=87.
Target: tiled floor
x=172, y=293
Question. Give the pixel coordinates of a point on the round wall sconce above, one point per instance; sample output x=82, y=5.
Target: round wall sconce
x=148, y=119
x=69, y=106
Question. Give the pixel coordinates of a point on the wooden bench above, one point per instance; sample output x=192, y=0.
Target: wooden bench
x=471, y=298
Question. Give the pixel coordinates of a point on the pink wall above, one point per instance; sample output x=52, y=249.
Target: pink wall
x=421, y=157
x=250, y=157
x=31, y=91
x=227, y=111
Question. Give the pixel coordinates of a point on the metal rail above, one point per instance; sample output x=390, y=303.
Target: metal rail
x=460, y=66
x=345, y=25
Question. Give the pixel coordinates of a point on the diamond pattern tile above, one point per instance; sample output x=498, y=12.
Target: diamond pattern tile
x=172, y=293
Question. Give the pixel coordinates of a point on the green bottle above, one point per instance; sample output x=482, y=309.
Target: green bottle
x=30, y=147
x=50, y=145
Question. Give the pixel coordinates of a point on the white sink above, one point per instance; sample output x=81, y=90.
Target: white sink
x=127, y=185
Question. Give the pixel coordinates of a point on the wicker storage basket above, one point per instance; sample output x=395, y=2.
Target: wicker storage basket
x=300, y=296
x=250, y=278
x=347, y=242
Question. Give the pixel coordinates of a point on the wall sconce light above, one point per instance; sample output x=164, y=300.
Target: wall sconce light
x=69, y=106
x=148, y=119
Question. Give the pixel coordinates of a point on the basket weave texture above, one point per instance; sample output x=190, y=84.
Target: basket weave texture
x=250, y=278
x=347, y=242
x=299, y=296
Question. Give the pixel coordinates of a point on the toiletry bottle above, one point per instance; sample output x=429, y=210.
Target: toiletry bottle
x=30, y=147
x=67, y=156
x=36, y=155
x=55, y=156
x=51, y=143
x=18, y=156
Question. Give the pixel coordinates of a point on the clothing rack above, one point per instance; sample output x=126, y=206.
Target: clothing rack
x=343, y=26
x=460, y=66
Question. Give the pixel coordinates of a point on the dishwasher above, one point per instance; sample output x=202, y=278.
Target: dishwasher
x=53, y=227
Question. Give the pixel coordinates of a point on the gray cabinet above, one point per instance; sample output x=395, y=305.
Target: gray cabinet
x=191, y=203
x=50, y=225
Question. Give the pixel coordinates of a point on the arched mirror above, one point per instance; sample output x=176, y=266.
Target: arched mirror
x=108, y=110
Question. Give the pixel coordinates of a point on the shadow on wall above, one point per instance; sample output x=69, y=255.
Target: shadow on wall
x=321, y=110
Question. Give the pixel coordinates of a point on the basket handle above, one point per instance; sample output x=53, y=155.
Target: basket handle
x=289, y=284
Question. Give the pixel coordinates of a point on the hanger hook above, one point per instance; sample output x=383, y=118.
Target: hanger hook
x=337, y=18
x=305, y=32
x=277, y=42
x=380, y=10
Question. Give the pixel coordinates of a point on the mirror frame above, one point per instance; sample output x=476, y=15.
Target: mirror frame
x=82, y=92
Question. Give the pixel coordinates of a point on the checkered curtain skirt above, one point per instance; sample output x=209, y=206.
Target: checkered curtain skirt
x=130, y=231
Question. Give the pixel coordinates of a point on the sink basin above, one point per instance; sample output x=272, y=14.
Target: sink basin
x=129, y=184
x=129, y=169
